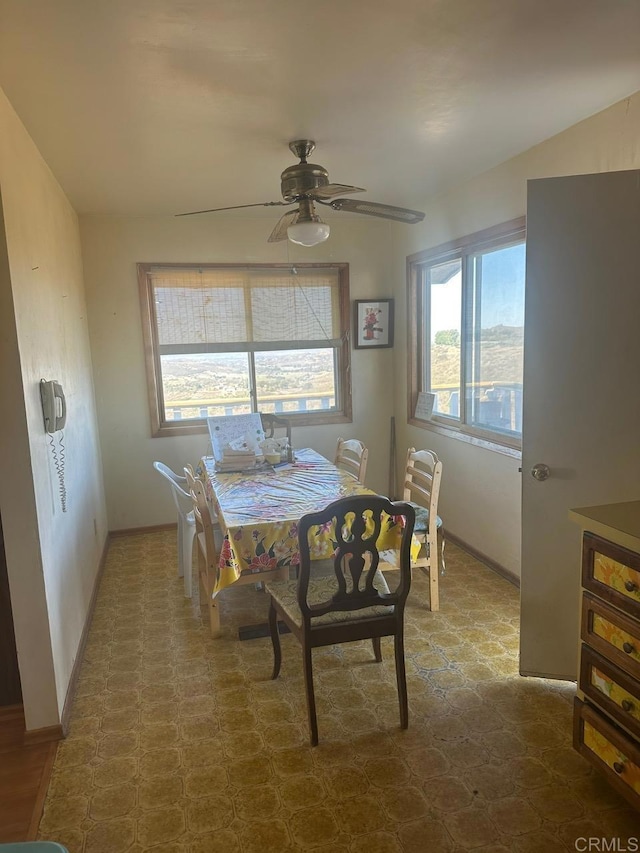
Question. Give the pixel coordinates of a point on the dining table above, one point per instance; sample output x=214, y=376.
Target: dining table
x=259, y=510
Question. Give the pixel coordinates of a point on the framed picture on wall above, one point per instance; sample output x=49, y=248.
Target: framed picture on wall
x=373, y=320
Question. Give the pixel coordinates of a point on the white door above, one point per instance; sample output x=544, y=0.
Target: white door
x=581, y=405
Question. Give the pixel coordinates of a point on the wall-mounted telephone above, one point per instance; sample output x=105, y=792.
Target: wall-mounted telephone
x=54, y=412
x=54, y=406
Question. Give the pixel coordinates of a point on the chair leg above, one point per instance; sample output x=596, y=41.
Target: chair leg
x=275, y=640
x=203, y=575
x=401, y=677
x=311, y=698
x=434, y=572
x=206, y=595
x=377, y=651
x=188, y=535
x=214, y=616
x=180, y=546
x=434, y=591
x=443, y=566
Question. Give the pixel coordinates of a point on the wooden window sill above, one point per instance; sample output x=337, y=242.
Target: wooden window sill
x=459, y=434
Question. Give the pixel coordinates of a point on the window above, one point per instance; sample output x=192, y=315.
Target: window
x=229, y=339
x=467, y=334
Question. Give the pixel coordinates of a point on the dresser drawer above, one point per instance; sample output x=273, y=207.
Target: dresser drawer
x=611, y=572
x=611, y=689
x=611, y=633
x=609, y=749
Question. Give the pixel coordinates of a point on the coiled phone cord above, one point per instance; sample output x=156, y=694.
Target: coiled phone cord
x=58, y=462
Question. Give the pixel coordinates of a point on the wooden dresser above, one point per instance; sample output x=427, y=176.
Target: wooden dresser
x=607, y=705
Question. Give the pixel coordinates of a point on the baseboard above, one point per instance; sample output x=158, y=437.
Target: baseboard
x=13, y=715
x=135, y=531
x=45, y=735
x=77, y=664
x=11, y=728
x=11, y=712
x=488, y=562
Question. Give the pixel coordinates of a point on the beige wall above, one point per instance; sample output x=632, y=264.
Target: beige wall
x=52, y=556
x=481, y=489
x=480, y=499
x=112, y=246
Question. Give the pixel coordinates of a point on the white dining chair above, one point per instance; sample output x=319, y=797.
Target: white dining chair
x=186, y=522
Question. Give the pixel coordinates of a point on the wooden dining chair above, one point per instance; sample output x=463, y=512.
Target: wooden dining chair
x=209, y=535
x=353, y=603
x=186, y=522
x=423, y=473
x=208, y=552
x=352, y=457
x=271, y=423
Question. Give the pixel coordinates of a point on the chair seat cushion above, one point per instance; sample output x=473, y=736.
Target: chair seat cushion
x=422, y=518
x=321, y=590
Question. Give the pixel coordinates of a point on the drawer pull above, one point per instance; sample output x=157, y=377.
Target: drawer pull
x=627, y=705
x=630, y=586
x=628, y=648
x=618, y=766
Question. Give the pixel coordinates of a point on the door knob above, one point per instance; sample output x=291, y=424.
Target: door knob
x=540, y=471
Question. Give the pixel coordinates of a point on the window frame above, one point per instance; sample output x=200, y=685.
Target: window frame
x=496, y=237
x=161, y=427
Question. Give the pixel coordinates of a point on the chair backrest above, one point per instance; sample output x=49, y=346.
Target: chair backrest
x=189, y=477
x=192, y=481
x=422, y=477
x=271, y=423
x=181, y=496
x=202, y=513
x=354, y=524
x=352, y=457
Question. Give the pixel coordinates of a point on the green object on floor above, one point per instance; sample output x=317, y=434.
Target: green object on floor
x=33, y=847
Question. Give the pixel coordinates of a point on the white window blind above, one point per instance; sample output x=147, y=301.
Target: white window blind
x=249, y=309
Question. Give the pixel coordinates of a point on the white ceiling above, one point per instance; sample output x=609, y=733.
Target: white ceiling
x=162, y=106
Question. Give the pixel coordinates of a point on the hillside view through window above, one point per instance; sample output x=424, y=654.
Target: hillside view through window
x=467, y=338
x=229, y=339
x=286, y=381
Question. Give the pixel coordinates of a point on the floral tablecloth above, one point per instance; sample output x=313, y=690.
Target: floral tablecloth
x=260, y=509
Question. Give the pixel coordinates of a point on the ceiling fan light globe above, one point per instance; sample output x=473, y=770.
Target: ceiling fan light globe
x=308, y=233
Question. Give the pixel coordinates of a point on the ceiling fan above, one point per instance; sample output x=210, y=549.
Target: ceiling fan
x=306, y=184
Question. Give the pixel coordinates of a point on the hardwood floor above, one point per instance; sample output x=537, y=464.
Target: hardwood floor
x=24, y=777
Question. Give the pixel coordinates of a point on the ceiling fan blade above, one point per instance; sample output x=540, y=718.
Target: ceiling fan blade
x=331, y=190
x=280, y=231
x=236, y=207
x=373, y=208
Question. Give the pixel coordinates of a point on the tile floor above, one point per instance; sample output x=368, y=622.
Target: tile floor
x=182, y=744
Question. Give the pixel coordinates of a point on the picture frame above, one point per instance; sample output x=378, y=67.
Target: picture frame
x=373, y=323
